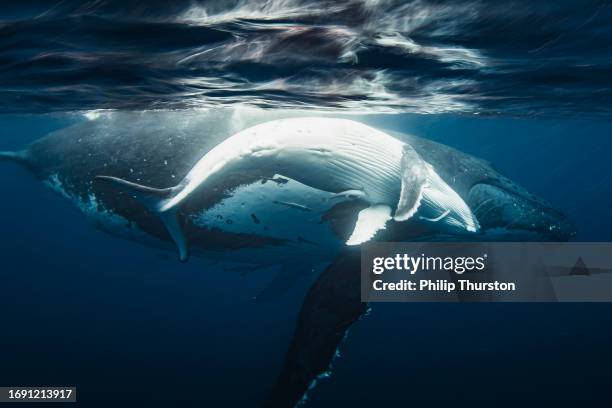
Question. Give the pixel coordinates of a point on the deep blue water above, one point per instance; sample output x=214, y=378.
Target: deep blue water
x=122, y=321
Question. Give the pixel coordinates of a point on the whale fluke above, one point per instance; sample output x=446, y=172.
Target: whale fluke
x=154, y=199
x=19, y=156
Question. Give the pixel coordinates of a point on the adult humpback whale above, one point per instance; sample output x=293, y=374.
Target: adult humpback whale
x=273, y=218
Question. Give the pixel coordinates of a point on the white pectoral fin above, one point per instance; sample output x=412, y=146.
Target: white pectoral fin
x=443, y=206
x=425, y=191
x=369, y=221
x=414, y=181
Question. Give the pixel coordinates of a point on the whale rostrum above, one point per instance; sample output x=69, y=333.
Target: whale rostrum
x=333, y=155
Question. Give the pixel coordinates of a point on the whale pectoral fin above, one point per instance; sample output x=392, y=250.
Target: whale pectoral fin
x=331, y=306
x=445, y=207
x=369, y=221
x=414, y=181
x=153, y=199
x=288, y=276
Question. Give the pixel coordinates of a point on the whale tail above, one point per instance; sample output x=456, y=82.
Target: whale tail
x=155, y=199
x=19, y=156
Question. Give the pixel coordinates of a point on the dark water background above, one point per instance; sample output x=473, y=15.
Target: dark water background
x=524, y=84
x=124, y=322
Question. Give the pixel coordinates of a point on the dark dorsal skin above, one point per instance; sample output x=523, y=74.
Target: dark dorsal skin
x=154, y=149
x=496, y=200
x=461, y=170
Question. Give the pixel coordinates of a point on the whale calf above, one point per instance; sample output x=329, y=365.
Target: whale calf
x=257, y=217
x=340, y=156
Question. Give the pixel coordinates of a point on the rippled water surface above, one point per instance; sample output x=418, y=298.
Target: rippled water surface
x=514, y=57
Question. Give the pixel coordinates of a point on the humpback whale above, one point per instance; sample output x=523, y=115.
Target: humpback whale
x=340, y=156
x=274, y=208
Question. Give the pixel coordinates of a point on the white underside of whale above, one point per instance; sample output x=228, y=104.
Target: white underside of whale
x=328, y=155
x=289, y=211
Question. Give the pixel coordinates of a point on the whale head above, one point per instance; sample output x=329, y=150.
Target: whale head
x=517, y=215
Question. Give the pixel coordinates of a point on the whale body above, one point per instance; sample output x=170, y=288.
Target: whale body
x=333, y=155
x=159, y=149
x=256, y=215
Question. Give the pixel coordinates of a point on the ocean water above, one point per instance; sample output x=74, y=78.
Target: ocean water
x=128, y=323
x=524, y=85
